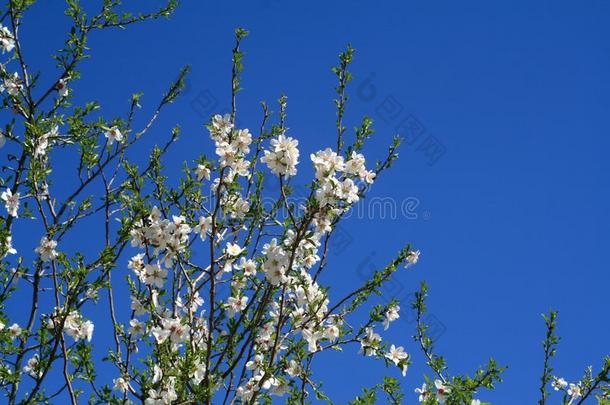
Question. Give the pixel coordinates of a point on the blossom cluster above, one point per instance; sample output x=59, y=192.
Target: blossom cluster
x=298, y=305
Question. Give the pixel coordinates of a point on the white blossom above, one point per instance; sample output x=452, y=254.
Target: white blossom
x=370, y=343
x=327, y=163
x=247, y=265
x=390, y=316
x=293, y=369
x=199, y=372
x=311, y=337
x=113, y=134
x=441, y=391
x=574, y=391
x=221, y=127
x=11, y=202
x=331, y=332
x=242, y=140
x=136, y=263
x=283, y=157
x=14, y=330
x=8, y=245
x=204, y=226
x=203, y=172
x=137, y=307
x=236, y=304
x=43, y=142
x=559, y=384
x=121, y=384
x=12, y=84
x=233, y=249
x=62, y=87
x=423, y=392
x=154, y=275
x=171, y=328
x=32, y=367
x=46, y=249
x=136, y=327
x=396, y=354
x=413, y=257
x=7, y=41
x=78, y=328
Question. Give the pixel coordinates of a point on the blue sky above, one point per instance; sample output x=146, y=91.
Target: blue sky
x=510, y=214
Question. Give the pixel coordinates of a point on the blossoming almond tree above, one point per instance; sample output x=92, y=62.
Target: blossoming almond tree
x=240, y=322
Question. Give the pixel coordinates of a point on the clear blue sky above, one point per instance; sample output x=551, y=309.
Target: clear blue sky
x=512, y=218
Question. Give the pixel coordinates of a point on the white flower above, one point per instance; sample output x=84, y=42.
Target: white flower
x=283, y=157
x=199, y=374
x=226, y=268
x=233, y=249
x=369, y=177
x=11, y=202
x=423, y=392
x=136, y=327
x=113, y=134
x=204, y=226
x=325, y=195
x=349, y=191
x=441, y=391
x=256, y=363
x=32, y=367
x=475, y=402
x=78, y=328
x=43, y=141
x=62, y=87
x=238, y=207
x=137, y=307
x=227, y=153
x=12, y=85
x=203, y=172
x=171, y=328
x=412, y=257
x=163, y=397
x=46, y=249
x=331, y=332
x=574, y=391
x=396, y=354
x=559, y=384
x=136, y=263
x=247, y=265
x=355, y=165
x=327, y=163
x=8, y=245
x=221, y=127
x=194, y=301
x=278, y=388
x=7, y=41
x=157, y=374
x=236, y=304
x=275, y=274
x=390, y=316
x=370, y=342
x=154, y=275
x=14, y=330
x=122, y=385
x=293, y=369
x=312, y=339
x=242, y=140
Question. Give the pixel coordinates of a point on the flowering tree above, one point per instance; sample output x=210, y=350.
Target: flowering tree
x=241, y=321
